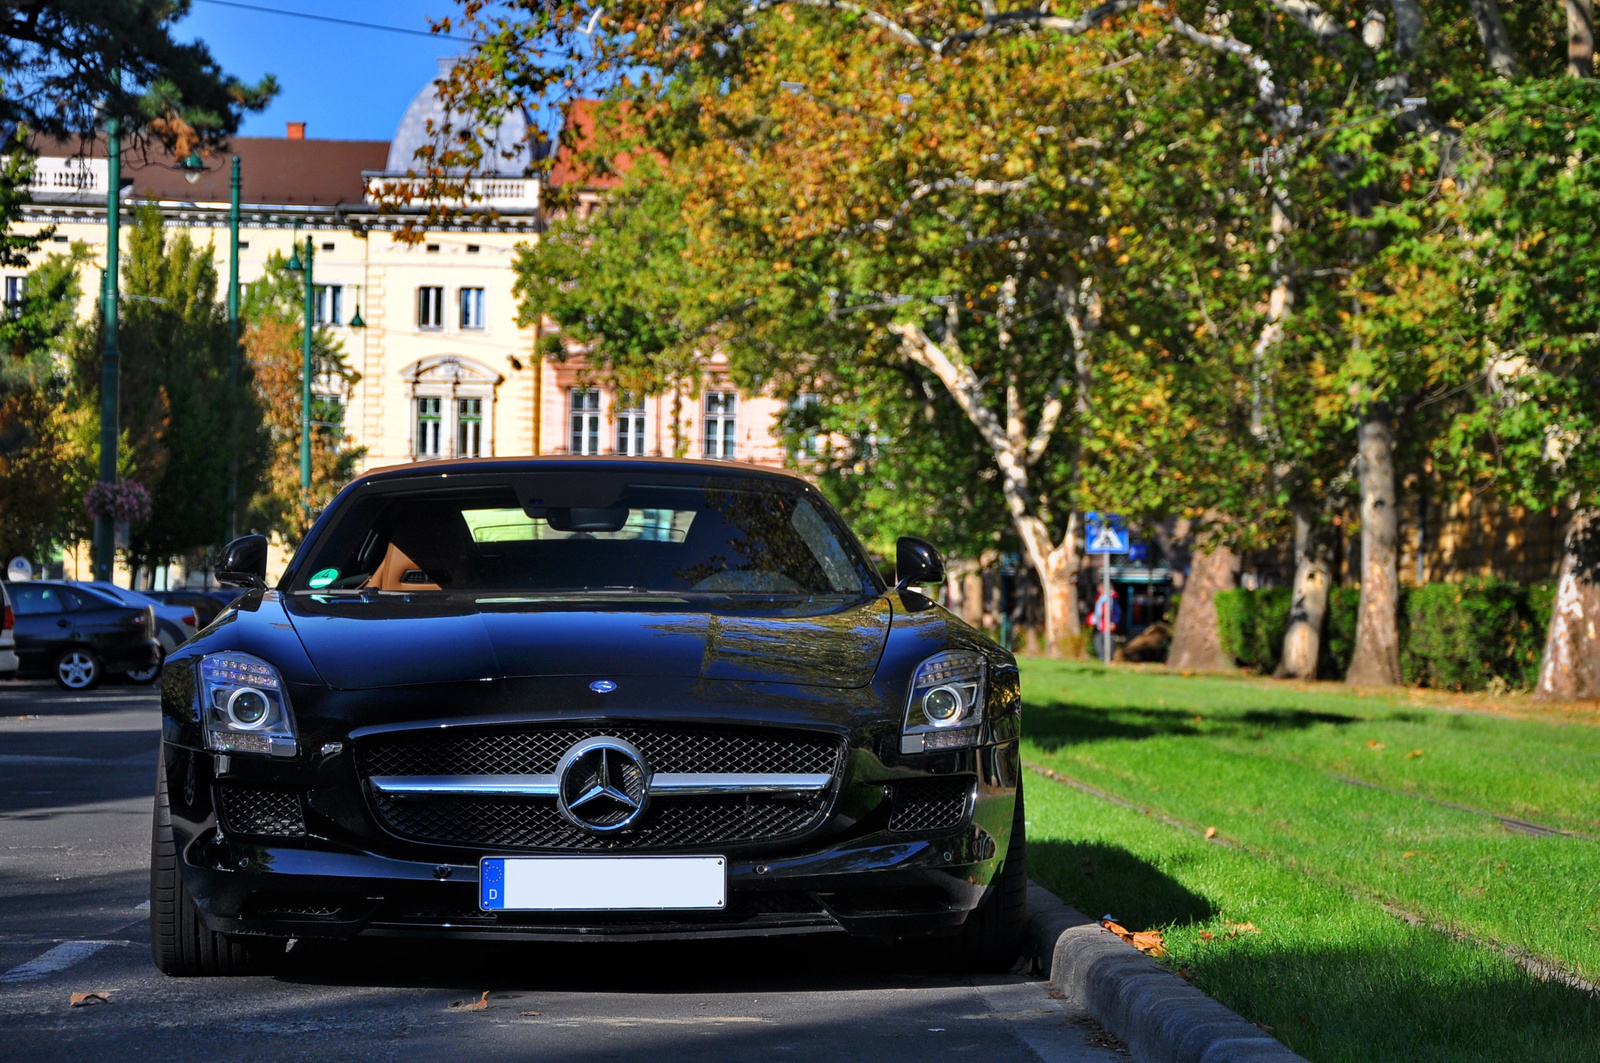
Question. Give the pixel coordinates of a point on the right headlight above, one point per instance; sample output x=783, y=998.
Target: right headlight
x=945, y=707
x=244, y=706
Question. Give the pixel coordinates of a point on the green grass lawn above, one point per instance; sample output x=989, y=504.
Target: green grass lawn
x=1316, y=859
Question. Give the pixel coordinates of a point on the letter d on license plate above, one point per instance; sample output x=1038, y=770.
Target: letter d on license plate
x=602, y=883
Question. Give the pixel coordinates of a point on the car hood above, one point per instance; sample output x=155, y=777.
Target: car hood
x=358, y=643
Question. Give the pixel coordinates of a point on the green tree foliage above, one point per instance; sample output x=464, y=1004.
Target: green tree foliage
x=274, y=314
x=183, y=427
x=67, y=66
x=36, y=436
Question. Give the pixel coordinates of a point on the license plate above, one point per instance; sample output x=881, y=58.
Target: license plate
x=602, y=883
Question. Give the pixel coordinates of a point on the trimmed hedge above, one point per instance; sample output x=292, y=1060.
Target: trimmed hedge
x=1453, y=636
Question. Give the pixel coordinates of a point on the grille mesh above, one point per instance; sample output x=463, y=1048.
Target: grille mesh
x=269, y=813
x=930, y=804
x=535, y=824
x=536, y=752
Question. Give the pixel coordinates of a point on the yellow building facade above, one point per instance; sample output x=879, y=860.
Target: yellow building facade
x=445, y=369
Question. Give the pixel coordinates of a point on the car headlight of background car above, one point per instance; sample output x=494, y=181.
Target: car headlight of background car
x=945, y=706
x=244, y=706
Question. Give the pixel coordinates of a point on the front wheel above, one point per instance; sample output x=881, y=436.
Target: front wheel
x=180, y=941
x=78, y=669
x=992, y=937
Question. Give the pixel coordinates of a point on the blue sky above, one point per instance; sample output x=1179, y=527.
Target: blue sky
x=343, y=82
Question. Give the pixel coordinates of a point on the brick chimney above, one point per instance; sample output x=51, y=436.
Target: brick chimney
x=297, y=131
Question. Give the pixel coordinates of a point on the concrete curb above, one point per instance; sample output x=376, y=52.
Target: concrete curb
x=1160, y=1017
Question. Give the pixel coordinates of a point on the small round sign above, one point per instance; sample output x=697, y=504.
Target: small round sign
x=19, y=569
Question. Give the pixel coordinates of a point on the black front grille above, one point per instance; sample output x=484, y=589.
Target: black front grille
x=687, y=822
x=536, y=752
x=532, y=823
x=266, y=813
x=930, y=804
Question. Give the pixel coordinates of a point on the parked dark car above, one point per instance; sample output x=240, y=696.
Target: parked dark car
x=573, y=699
x=207, y=605
x=79, y=635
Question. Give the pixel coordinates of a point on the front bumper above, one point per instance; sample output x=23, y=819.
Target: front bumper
x=860, y=879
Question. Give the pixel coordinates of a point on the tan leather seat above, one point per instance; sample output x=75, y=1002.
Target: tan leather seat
x=391, y=574
x=427, y=553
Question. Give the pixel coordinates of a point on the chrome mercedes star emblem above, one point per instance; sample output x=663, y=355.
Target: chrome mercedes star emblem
x=602, y=686
x=602, y=785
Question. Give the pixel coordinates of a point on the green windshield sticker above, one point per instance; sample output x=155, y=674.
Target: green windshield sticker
x=323, y=578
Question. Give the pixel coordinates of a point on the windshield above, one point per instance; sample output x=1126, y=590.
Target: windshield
x=565, y=533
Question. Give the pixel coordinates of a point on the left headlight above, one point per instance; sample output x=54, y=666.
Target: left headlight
x=244, y=706
x=945, y=707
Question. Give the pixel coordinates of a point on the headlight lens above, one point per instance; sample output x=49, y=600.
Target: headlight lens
x=945, y=707
x=244, y=706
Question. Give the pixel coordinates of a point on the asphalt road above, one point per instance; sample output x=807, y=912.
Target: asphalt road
x=76, y=776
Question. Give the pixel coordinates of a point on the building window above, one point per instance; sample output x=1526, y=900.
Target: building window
x=430, y=307
x=630, y=425
x=585, y=404
x=469, y=428
x=14, y=292
x=330, y=304
x=472, y=308
x=428, y=424
x=721, y=424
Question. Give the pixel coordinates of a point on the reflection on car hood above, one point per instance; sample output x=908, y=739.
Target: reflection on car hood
x=359, y=642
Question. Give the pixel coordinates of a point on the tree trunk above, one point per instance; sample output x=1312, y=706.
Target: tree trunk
x=1313, y=572
x=1195, y=640
x=1057, y=568
x=1571, y=667
x=1580, y=38
x=1376, y=660
x=1496, y=42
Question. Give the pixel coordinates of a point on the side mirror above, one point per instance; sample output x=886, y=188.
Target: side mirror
x=916, y=562
x=244, y=562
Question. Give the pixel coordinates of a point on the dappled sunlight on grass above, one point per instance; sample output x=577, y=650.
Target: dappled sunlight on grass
x=1330, y=972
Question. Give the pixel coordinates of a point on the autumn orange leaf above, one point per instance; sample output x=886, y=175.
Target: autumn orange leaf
x=1146, y=941
x=1211, y=832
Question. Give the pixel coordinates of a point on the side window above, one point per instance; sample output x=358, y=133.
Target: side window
x=33, y=601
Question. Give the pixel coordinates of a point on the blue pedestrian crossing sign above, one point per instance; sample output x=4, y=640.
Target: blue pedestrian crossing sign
x=1105, y=533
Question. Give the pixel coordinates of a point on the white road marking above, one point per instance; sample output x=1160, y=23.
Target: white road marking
x=142, y=906
x=57, y=959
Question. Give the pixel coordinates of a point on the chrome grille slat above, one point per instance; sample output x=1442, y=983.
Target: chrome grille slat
x=784, y=777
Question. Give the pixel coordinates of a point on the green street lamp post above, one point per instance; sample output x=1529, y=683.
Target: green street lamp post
x=233, y=350
x=305, y=377
x=105, y=532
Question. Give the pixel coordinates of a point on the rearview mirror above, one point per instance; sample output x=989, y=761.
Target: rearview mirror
x=244, y=562
x=916, y=562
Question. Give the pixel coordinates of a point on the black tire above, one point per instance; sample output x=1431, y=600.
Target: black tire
x=991, y=938
x=78, y=668
x=180, y=942
x=145, y=676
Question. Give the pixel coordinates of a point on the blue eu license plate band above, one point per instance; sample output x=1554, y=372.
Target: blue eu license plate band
x=602, y=883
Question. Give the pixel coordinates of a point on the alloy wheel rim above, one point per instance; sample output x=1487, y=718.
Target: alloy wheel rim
x=76, y=670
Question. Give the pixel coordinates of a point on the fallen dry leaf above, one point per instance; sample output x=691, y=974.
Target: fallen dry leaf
x=1186, y=974
x=83, y=1000
x=1414, y=754
x=527, y=1013
x=1264, y=1026
x=1197, y=719
x=1148, y=941
x=1374, y=744
x=1206, y=935
x=1211, y=832
x=481, y=1004
x=1242, y=928
x=1408, y=854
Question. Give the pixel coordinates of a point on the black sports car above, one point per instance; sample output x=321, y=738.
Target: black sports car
x=562, y=698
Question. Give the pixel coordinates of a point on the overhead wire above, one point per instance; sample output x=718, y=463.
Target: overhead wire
x=336, y=21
